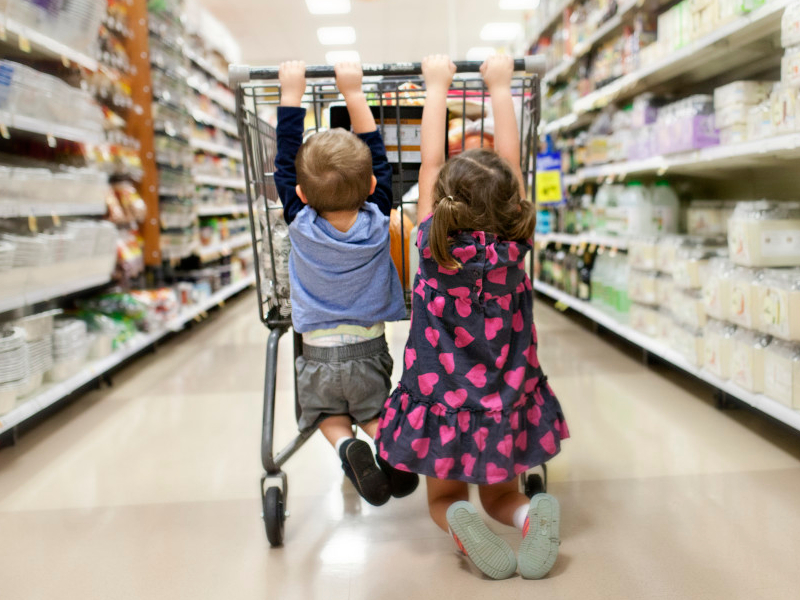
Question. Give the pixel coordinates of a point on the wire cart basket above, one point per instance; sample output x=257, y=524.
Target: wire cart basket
x=396, y=94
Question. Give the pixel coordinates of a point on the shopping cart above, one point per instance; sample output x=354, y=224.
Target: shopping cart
x=396, y=94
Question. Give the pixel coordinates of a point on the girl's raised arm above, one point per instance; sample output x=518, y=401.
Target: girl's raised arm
x=497, y=72
x=438, y=71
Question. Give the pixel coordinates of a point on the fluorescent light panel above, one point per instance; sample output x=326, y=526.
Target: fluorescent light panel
x=480, y=52
x=328, y=7
x=335, y=56
x=519, y=4
x=333, y=36
x=500, y=32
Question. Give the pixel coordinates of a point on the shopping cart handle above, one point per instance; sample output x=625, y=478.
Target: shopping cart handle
x=237, y=74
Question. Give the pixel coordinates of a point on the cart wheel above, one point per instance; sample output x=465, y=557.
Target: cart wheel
x=274, y=515
x=534, y=484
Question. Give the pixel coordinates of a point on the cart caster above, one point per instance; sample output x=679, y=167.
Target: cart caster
x=274, y=515
x=533, y=483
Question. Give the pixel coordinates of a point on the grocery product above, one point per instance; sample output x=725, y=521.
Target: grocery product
x=708, y=218
x=718, y=346
x=717, y=288
x=782, y=373
x=742, y=309
x=776, y=299
x=689, y=342
x=642, y=252
x=666, y=208
x=644, y=318
x=687, y=308
x=642, y=287
x=747, y=359
x=765, y=234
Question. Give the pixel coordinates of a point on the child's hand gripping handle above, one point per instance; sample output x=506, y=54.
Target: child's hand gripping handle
x=237, y=74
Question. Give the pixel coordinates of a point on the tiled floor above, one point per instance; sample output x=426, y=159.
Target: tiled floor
x=149, y=490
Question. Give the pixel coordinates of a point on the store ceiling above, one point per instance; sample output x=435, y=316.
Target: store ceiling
x=271, y=31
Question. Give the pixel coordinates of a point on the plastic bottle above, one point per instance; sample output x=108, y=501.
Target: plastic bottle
x=666, y=208
x=638, y=209
x=601, y=203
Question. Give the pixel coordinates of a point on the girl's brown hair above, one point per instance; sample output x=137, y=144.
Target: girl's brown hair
x=478, y=191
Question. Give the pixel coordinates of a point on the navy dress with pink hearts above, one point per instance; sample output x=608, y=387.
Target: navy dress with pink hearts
x=473, y=404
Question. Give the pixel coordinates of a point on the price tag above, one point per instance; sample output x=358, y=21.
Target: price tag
x=24, y=44
x=51, y=141
x=32, y=224
x=65, y=61
x=662, y=170
x=56, y=220
x=221, y=304
x=204, y=314
x=560, y=306
x=197, y=318
x=548, y=187
x=4, y=131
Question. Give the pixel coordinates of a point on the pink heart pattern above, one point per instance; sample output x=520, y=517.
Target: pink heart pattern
x=439, y=409
x=491, y=254
x=411, y=356
x=517, y=322
x=463, y=420
x=442, y=466
x=436, y=306
x=446, y=271
x=513, y=251
x=504, y=301
x=530, y=356
x=421, y=446
x=522, y=441
x=426, y=382
x=498, y=276
x=420, y=289
x=477, y=375
x=456, y=399
x=480, y=438
x=514, y=378
x=534, y=415
x=548, y=442
x=505, y=446
x=468, y=462
x=501, y=360
x=463, y=337
x=447, y=434
x=495, y=474
x=416, y=417
x=493, y=402
x=433, y=283
x=396, y=434
x=492, y=326
x=448, y=362
x=531, y=384
x=513, y=420
x=464, y=307
x=432, y=335
x=426, y=252
x=518, y=469
x=403, y=402
x=464, y=254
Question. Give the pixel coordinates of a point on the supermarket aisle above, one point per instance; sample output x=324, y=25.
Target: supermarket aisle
x=149, y=490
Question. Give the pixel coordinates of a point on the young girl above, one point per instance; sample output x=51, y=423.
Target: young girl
x=473, y=405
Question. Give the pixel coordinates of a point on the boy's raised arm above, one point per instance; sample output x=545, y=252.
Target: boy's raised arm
x=497, y=72
x=349, y=78
x=291, y=120
x=438, y=71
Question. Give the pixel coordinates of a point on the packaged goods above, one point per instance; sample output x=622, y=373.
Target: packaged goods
x=708, y=218
x=741, y=93
x=688, y=309
x=747, y=359
x=765, y=234
x=642, y=253
x=742, y=308
x=717, y=288
x=644, y=318
x=689, y=342
x=776, y=299
x=782, y=373
x=718, y=346
x=642, y=287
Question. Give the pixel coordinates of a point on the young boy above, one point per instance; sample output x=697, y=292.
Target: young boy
x=336, y=190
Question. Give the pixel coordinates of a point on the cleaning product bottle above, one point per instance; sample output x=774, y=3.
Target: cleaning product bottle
x=666, y=208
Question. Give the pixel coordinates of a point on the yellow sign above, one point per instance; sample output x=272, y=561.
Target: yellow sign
x=548, y=187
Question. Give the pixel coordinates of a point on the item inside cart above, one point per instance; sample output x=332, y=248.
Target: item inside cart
x=396, y=95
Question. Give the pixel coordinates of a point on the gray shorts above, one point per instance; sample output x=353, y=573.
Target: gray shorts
x=350, y=380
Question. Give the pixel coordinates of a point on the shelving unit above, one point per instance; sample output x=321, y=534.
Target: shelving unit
x=50, y=130
x=223, y=248
x=225, y=182
x=213, y=148
x=38, y=45
x=758, y=401
x=44, y=293
x=97, y=369
x=229, y=209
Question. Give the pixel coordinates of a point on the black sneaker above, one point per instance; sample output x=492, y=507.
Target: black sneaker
x=402, y=483
x=359, y=465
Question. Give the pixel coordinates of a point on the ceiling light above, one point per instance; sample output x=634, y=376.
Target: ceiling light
x=519, y=4
x=333, y=36
x=336, y=56
x=480, y=52
x=500, y=32
x=328, y=7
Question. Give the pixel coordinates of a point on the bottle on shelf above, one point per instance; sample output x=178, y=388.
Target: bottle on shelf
x=666, y=208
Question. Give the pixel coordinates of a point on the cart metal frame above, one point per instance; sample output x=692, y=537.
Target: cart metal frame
x=389, y=87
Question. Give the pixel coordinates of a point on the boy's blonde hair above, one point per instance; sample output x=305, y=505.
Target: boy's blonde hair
x=334, y=170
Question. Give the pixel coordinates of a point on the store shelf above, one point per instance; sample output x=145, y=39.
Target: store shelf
x=213, y=148
x=716, y=158
x=206, y=66
x=228, y=105
x=223, y=248
x=43, y=294
x=42, y=46
x=581, y=49
x=721, y=51
x=225, y=182
x=759, y=401
x=551, y=19
x=228, y=209
x=55, y=130
x=586, y=239
x=58, y=391
x=567, y=123
x=207, y=119
x=23, y=208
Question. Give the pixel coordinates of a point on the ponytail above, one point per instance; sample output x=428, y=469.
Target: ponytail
x=445, y=219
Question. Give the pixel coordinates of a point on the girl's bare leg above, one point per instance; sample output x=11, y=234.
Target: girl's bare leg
x=441, y=494
x=502, y=500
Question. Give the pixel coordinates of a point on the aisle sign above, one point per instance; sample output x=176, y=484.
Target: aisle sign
x=548, y=179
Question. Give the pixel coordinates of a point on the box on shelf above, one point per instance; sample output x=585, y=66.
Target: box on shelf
x=718, y=346
x=742, y=308
x=689, y=342
x=782, y=373
x=790, y=25
x=642, y=253
x=776, y=298
x=644, y=318
x=765, y=234
x=740, y=94
x=688, y=308
x=642, y=287
x=717, y=289
x=708, y=218
x=747, y=359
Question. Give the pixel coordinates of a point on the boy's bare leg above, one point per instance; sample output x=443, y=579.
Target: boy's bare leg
x=336, y=427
